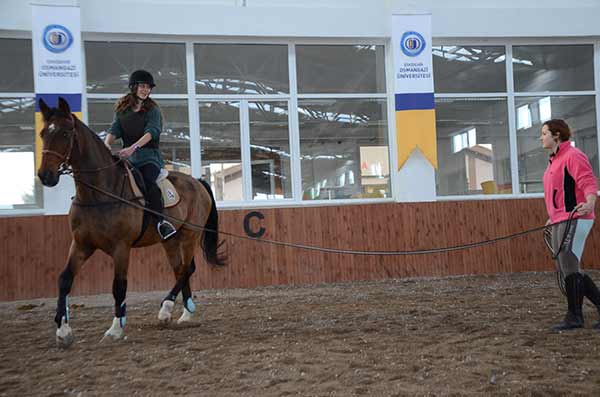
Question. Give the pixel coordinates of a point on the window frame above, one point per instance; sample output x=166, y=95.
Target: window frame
x=511, y=95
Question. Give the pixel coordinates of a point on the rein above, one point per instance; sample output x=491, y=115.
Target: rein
x=196, y=227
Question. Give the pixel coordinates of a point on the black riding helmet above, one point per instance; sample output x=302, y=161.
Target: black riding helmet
x=139, y=77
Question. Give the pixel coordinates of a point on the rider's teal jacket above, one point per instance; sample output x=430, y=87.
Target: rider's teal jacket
x=131, y=126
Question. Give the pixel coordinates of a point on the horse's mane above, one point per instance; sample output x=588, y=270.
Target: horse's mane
x=95, y=137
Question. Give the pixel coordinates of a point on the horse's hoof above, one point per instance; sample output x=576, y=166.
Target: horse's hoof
x=166, y=311
x=186, y=317
x=115, y=332
x=64, y=336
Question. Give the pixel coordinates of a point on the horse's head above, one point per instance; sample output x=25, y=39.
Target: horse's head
x=58, y=136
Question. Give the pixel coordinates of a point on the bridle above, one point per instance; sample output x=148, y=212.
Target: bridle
x=66, y=157
x=65, y=165
x=65, y=168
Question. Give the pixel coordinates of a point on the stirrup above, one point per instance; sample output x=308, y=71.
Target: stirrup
x=165, y=229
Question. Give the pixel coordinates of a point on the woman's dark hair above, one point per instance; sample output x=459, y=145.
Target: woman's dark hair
x=559, y=128
x=129, y=101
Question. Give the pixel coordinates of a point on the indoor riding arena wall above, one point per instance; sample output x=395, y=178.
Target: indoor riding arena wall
x=33, y=249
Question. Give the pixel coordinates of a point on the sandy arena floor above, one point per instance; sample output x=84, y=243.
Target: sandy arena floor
x=451, y=336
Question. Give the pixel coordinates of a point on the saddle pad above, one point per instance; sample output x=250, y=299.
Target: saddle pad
x=169, y=194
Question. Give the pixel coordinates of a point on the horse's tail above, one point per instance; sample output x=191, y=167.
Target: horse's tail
x=211, y=233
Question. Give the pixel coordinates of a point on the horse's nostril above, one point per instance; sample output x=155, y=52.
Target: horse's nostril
x=47, y=178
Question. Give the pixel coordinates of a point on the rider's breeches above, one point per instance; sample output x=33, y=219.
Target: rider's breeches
x=150, y=173
x=573, y=242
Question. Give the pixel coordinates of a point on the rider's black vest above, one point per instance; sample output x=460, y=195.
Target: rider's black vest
x=132, y=124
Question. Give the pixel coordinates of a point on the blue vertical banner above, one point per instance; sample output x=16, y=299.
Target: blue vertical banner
x=413, y=82
x=57, y=63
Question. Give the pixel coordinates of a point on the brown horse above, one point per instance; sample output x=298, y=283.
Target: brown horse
x=100, y=221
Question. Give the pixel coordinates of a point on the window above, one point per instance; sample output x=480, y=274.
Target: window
x=263, y=172
x=464, y=140
x=553, y=68
x=460, y=68
x=340, y=68
x=474, y=136
x=241, y=69
x=16, y=69
x=580, y=114
x=478, y=155
x=20, y=187
x=221, y=149
x=542, y=70
x=270, y=150
x=109, y=65
x=343, y=148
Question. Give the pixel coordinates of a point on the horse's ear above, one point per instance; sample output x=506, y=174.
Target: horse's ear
x=44, y=109
x=63, y=106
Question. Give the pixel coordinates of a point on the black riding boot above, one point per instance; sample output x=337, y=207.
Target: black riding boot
x=574, y=317
x=591, y=292
x=165, y=228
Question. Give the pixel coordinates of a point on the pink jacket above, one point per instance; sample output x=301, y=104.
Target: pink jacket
x=567, y=181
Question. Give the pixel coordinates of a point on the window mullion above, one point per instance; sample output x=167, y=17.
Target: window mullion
x=294, y=129
x=512, y=124
x=194, y=113
x=246, y=153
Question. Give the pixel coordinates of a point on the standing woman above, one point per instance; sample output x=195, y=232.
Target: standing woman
x=138, y=122
x=570, y=184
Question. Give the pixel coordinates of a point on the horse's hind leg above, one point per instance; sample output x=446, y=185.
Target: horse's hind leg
x=77, y=256
x=180, y=252
x=119, y=289
x=188, y=248
x=188, y=304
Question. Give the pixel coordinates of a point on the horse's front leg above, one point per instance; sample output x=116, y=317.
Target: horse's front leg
x=119, y=289
x=78, y=254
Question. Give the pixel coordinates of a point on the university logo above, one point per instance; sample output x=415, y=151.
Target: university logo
x=57, y=38
x=412, y=43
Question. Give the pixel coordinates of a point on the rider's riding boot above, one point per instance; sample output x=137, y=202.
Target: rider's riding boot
x=574, y=318
x=591, y=292
x=165, y=228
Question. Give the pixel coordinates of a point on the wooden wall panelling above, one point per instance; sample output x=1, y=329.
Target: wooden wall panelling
x=33, y=250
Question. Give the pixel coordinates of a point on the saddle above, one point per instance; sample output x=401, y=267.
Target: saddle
x=169, y=193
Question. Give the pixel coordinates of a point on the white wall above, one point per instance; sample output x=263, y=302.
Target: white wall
x=323, y=18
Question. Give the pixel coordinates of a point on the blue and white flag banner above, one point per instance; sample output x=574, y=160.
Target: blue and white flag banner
x=413, y=86
x=57, y=64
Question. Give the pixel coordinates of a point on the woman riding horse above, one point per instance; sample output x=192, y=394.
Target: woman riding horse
x=105, y=215
x=138, y=122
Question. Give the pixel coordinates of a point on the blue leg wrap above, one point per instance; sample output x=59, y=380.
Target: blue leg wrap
x=189, y=305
